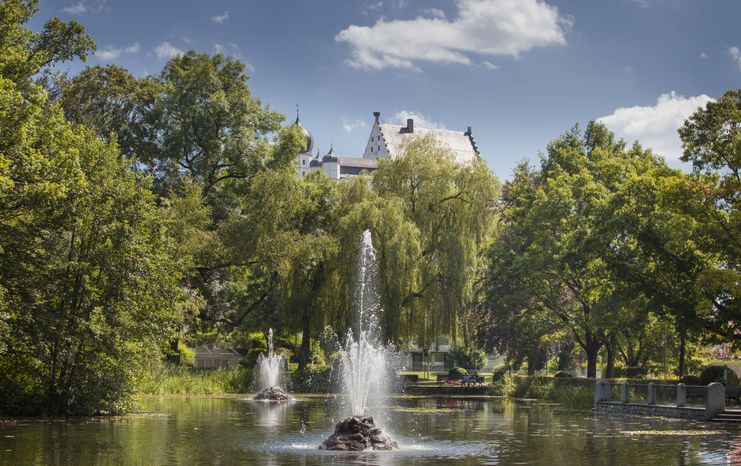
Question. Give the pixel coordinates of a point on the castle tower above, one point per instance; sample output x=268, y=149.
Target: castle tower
x=304, y=157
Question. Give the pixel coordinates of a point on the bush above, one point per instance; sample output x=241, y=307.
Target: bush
x=457, y=373
x=470, y=358
x=187, y=355
x=499, y=374
x=314, y=379
x=712, y=374
x=691, y=380
x=250, y=359
x=563, y=374
x=570, y=396
x=629, y=372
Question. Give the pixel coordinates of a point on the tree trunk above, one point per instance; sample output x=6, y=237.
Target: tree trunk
x=305, y=350
x=592, y=348
x=610, y=347
x=682, y=351
x=533, y=358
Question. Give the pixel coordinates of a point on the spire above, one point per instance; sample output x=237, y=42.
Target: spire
x=298, y=121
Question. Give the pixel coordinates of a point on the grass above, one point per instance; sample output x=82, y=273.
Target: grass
x=570, y=396
x=177, y=380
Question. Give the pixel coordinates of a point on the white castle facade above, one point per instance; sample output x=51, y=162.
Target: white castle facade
x=385, y=141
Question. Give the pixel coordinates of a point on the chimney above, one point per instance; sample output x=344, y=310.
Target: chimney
x=409, y=127
x=377, y=115
x=468, y=132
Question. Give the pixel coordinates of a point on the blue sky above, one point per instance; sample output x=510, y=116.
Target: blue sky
x=520, y=72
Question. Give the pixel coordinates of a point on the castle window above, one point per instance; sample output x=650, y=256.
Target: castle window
x=303, y=162
x=371, y=148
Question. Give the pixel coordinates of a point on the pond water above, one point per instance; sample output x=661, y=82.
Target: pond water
x=429, y=431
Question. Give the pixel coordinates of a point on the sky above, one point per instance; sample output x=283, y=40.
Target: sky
x=519, y=72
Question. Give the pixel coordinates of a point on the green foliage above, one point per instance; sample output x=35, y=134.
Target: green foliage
x=24, y=53
x=470, y=358
x=187, y=355
x=457, y=373
x=712, y=374
x=164, y=380
x=315, y=379
x=570, y=395
x=563, y=374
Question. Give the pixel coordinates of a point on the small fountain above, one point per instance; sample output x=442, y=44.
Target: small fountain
x=269, y=369
x=363, y=365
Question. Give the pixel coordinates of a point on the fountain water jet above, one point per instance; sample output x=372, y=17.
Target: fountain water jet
x=363, y=365
x=269, y=369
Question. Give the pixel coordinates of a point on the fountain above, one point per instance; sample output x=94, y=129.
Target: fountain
x=363, y=365
x=269, y=369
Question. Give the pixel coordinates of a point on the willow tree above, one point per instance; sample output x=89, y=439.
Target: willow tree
x=448, y=211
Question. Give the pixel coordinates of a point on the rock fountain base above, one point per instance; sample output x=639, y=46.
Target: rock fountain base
x=358, y=433
x=272, y=394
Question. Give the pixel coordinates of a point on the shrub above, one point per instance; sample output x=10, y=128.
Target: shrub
x=470, y=358
x=563, y=374
x=187, y=355
x=712, y=374
x=314, y=379
x=250, y=359
x=691, y=380
x=456, y=373
x=499, y=374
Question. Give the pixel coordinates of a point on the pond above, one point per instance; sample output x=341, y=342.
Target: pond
x=429, y=430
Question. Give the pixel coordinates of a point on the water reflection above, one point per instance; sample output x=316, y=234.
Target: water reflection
x=430, y=431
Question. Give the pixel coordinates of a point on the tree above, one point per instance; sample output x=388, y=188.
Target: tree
x=206, y=123
x=25, y=52
x=711, y=138
x=91, y=285
x=449, y=207
x=550, y=257
x=112, y=102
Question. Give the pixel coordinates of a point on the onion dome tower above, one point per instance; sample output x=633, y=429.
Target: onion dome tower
x=304, y=157
x=309, y=148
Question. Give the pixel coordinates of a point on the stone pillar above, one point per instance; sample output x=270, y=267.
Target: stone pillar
x=651, y=395
x=601, y=391
x=715, y=400
x=624, y=393
x=681, y=395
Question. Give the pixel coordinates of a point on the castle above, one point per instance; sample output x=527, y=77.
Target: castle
x=385, y=140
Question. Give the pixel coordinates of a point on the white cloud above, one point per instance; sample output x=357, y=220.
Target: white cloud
x=489, y=65
x=735, y=55
x=81, y=7
x=485, y=27
x=220, y=18
x=703, y=55
x=167, y=50
x=351, y=125
x=656, y=126
x=76, y=9
x=433, y=13
x=420, y=120
x=109, y=53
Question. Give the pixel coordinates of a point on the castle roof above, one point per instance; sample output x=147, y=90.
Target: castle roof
x=461, y=143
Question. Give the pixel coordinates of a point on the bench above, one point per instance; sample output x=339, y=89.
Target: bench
x=413, y=378
x=469, y=380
